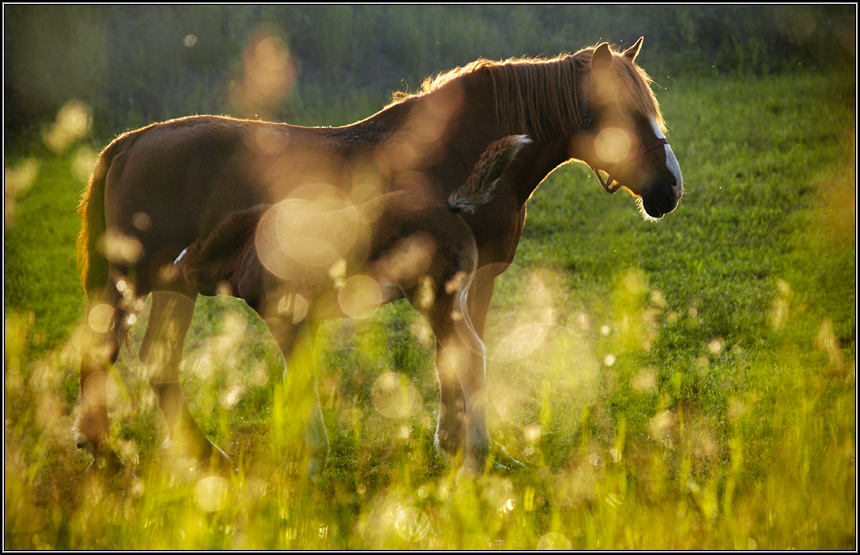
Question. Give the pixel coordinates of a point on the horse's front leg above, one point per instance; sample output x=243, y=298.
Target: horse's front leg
x=479, y=300
x=460, y=362
x=301, y=398
x=161, y=353
x=451, y=434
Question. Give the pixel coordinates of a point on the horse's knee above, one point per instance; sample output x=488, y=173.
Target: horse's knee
x=164, y=338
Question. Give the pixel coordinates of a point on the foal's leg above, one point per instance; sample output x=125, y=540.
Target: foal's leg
x=161, y=353
x=301, y=398
x=455, y=388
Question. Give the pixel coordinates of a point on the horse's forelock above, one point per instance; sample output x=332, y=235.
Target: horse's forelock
x=633, y=82
x=637, y=90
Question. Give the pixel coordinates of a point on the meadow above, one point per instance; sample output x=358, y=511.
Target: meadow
x=684, y=384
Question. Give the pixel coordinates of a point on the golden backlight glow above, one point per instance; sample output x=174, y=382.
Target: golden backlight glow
x=73, y=123
x=359, y=297
x=269, y=74
x=394, y=396
x=315, y=228
x=613, y=144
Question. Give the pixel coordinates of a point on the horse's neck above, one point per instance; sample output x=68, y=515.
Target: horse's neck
x=534, y=163
x=446, y=132
x=541, y=161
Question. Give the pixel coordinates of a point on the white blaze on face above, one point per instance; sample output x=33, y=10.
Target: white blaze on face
x=671, y=161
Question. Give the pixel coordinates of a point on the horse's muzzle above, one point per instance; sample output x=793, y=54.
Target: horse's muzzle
x=662, y=198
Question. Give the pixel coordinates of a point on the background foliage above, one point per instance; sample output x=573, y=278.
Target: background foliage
x=138, y=64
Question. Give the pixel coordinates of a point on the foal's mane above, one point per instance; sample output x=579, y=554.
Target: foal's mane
x=538, y=96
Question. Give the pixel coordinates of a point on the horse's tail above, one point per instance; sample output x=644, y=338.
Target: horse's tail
x=479, y=187
x=92, y=263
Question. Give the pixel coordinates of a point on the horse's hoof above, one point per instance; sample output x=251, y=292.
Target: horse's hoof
x=82, y=442
x=107, y=463
x=449, y=450
x=109, y=469
x=502, y=462
x=506, y=468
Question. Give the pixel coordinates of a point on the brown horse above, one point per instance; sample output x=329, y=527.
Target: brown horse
x=159, y=189
x=303, y=261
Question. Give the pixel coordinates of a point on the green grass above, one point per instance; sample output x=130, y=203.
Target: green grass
x=687, y=384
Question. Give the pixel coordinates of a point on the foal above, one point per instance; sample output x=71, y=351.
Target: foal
x=299, y=262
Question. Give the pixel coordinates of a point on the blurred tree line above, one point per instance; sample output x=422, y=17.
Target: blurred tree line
x=135, y=64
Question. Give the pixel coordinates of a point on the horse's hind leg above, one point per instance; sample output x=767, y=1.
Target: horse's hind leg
x=161, y=353
x=103, y=334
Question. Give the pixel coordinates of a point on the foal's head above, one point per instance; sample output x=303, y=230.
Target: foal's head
x=625, y=134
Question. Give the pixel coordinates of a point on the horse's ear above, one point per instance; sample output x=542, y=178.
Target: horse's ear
x=633, y=51
x=602, y=57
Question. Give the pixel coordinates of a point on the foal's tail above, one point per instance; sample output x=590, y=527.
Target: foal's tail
x=479, y=187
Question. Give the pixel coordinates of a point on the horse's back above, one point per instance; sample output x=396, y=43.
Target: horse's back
x=171, y=183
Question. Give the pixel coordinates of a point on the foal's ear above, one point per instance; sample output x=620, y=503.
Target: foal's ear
x=633, y=51
x=602, y=57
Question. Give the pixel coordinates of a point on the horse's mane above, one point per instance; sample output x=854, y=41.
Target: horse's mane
x=526, y=90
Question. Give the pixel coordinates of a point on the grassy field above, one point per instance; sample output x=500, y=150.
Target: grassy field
x=687, y=384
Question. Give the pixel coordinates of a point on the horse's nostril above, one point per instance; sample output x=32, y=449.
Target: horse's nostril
x=678, y=189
